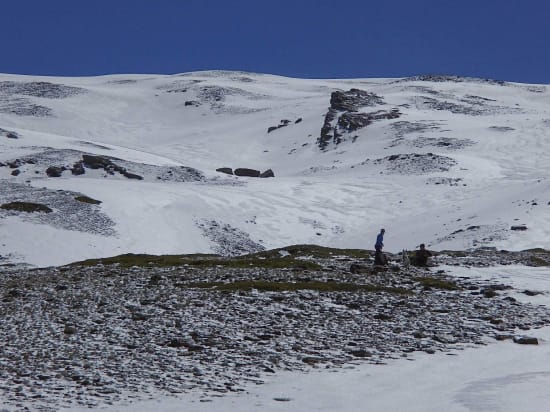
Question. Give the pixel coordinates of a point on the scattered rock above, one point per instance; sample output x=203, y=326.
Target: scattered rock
x=526, y=340
x=55, y=171
x=226, y=170
x=78, y=168
x=247, y=172
x=267, y=173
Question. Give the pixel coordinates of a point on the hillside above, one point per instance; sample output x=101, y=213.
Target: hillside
x=451, y=162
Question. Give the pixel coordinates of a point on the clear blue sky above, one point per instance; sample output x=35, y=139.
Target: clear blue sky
x=499, y=39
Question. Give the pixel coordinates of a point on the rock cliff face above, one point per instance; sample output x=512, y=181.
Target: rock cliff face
x=344, y=116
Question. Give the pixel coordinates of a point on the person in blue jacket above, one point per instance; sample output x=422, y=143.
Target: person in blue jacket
x=379, y=258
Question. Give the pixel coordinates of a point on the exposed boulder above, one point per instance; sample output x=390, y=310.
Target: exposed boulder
x=15, y=172
x=9, y=134
x=55, y=171
x=226, y=170
x=78, y=168
x=15, y=164
x=526, y=340
x=131, y=175
x=95, y=162
x=267, y=173
x=519, y=227
x=242, y=171
x=192, y=103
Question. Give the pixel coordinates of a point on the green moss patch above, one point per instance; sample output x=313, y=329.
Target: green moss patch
x=267, y=286
x=202, y=260
x=434, y=283
x=27, y=207
x=86, y=199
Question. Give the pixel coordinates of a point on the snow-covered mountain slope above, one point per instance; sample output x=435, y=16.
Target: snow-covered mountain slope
x=451, y=162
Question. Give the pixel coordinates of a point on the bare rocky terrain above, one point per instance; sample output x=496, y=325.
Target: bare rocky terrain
x=134, y=326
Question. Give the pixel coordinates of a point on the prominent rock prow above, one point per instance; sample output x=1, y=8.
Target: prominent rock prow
x=343, y=115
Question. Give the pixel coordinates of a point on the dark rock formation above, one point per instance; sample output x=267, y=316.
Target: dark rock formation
x=247, y=172
x=95, y=162
x=343, y=115
x=193, y=103
x=353, y=99
x=352, y=121
x=102, y=162
x=284, y=122
x=55, y=171
x=519, y=227
x=526, y=340
x=131, y=175
x=15, y=164
x=15, y=172
x=267, y=173
x=78, y=169
x=9, y=134
x=226, y=170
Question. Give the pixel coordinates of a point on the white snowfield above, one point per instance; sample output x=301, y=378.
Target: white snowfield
x=465, y=161
x=495, y=135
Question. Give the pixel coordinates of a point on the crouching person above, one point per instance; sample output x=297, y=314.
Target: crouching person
x=421, y=256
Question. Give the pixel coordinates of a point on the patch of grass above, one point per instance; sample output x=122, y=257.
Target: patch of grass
x=539, y=261
x=537, y=250
x=27, y=207
x=202, y=260
x=267, y=286
x=434, y=283
x=142, y=260
x=86, y=199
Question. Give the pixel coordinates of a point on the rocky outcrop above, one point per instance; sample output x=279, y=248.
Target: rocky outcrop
x=103, y=162
x=344, y=116
x=352, y=121
x=353, y=99
x=283, y=123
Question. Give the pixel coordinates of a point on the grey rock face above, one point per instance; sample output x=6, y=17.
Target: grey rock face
x=344, y=117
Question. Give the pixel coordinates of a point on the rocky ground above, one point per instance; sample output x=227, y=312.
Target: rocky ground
x=135, y=326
